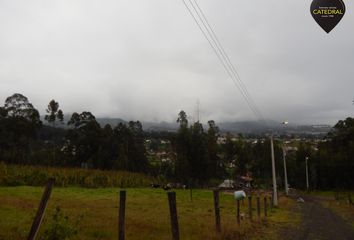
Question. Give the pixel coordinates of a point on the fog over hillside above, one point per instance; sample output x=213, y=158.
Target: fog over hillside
x=245, y=127
x=148, y=60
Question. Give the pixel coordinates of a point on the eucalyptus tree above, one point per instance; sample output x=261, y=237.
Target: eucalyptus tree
x=54, y=113
x=84, y=139
x=183, y=147
x=214, y=169
x=19, y=123
x=198, y=153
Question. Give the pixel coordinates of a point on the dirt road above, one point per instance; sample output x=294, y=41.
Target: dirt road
x=318, y=223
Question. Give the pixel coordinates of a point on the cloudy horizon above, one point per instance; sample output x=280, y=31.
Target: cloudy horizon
x=147, y=60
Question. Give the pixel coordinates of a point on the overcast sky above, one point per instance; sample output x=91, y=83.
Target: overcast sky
x=146, y=59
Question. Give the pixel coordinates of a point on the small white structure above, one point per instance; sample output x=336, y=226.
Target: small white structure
x=228, y=183
x=239, y=195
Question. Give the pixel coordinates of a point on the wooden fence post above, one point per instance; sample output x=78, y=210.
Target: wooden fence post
x=350, y=199
x=336, y=195
x=250, y=207
x=258, y=208
x=121, y=229
x=238, y=212
x=173, y=215
x=265, y=206
x=271, y=202
x=41, y=209
x=217, y=210
x=190, y=190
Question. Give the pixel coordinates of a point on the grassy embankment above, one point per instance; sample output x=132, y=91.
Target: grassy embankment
x=283, y=217
x=146, y=214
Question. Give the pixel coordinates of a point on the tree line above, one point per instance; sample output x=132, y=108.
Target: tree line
x=25, y=140
x=199, y=157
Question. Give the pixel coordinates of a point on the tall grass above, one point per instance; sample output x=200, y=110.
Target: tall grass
x=17, y=175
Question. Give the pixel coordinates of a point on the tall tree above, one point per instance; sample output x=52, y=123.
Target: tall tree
x=182, y=119
x=198, y=158
x=54, y=113
x=214, y=168
x=335, y=161
x=18, y=106
x=229, y=149
x=130, y=153
x=137, y=152
x=182, y=165
x=19, y=123
x=83, y=141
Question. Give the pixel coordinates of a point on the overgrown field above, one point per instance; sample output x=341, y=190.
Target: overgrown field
x=147, y=214
x=18, y=175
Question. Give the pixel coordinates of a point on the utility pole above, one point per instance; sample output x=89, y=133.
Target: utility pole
x=285, y=172
x=307, y=175
x=275, y=194
x=198, y=110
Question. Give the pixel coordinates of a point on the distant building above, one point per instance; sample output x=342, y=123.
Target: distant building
x=227, y=184
x=221, y=140
x=244, y=182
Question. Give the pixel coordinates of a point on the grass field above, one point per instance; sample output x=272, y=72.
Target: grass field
x=147, y=213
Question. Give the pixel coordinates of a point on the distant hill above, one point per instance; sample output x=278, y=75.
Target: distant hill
x=102, y=121
x=244, y=127
x=147, y=126
x=257, y=127
x=161, y=126
x=111, y=121
x=250, y=127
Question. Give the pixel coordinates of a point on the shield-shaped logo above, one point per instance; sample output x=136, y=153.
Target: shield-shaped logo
x=327, y=13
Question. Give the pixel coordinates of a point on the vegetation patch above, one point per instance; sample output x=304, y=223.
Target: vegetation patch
x=147, y=214
x=339, y=203
x=17, y=175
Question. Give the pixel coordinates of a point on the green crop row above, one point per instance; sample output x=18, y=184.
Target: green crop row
x=17, y=175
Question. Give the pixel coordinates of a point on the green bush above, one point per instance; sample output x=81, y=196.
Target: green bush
x=60, y=227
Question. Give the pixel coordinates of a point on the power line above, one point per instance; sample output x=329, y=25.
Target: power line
x=218, y=55
x=223, y=52
x=224, y=59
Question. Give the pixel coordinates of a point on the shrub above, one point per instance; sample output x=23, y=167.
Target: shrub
x=60, y=228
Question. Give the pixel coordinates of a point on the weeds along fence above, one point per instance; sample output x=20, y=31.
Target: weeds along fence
x=252, y=208
x=262, y=207
x=17, y=175
x=344, y=197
